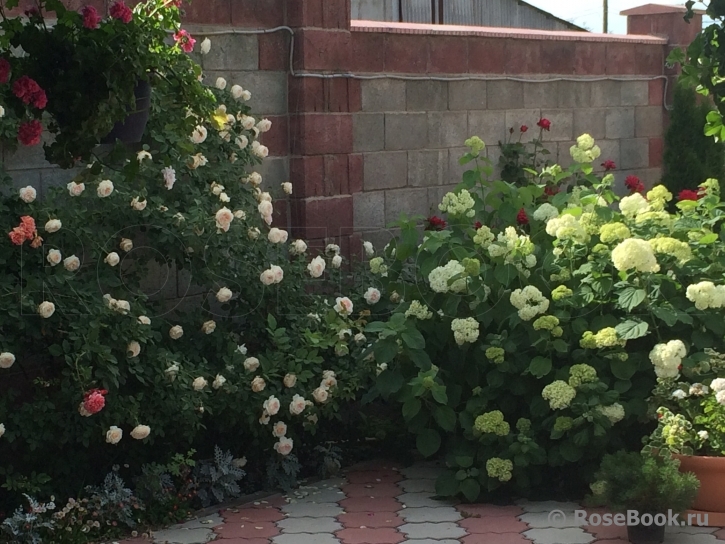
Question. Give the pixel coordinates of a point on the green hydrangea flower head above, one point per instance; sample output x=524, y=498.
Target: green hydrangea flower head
x=495, y=354
x=614, y=232
x=499, y=469
x=556, y=332
x=563, y=424
x=598, y=488
x=523, y=425
x=559, y=394
x=492, y=423
x=546, y=322
x=561, y=292
x=475, y=144
x=472, y=266
x=583, y=373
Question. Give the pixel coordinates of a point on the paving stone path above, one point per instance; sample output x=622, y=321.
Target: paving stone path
x=381, y=503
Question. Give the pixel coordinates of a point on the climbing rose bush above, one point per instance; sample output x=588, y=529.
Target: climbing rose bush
x=519, y=349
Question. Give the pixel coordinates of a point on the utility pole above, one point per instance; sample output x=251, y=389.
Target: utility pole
x=605, y=26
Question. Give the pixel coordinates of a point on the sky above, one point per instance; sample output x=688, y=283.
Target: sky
x=588, y=13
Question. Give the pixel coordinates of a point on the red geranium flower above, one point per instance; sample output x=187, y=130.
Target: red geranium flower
x=551, y=190
x=544, y=124
x=477, y=225
x=4, y=70
x=609, y=165
x=688, y=194
x=185, y=41
x=435, y=223
x=91, y=18
x=634, y=185
x=29, y=133
x=524, y=128
x=28, y=90
x=121, y=11
x=522, y=218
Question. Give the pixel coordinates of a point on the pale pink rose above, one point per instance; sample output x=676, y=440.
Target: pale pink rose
x=251, y=364
x=199, y=383
x=263, y=196
x=280, y=429
x=54, y=257
x=112, y=259
x=267, y=277
x=82, y=410
x=46, y=309
x=126, y=245
x=277, y=236
x=284, y=446
x=53, y=225
x=316, y=267
x=242, y=141
x=258, y=384
x=329, y=382
x=237, y=91
x=105, y=188
x=224, y=294
x=259, y=150
x=253, y=233
x=248, y=122
x=277, y=272
x=320, y=395
x=372, y=296
x=72, y=263
x=28, y=194
x=138, y=205
x=265, y=209
x=255, y=178
x=199, y=134
x=264, y=125
x=271, y=405
x=290, y=380
x=224, y=218
x=264, y=419
x=176, y=332
x=298, y=247
x=133, y=349
x=113, y=435
x=208, y=327
x=7, y=359
x=343, y=306
x=287, y=187
x=75, y=189
x=298, y=405
x=140, y=432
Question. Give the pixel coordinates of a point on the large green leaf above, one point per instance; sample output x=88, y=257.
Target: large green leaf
x=413, y=339
x=665, y=314
x=630, y=330
x=428, y=442
x=445, y=417
x=447, y=485
x=385, y=350
x=623, y=370
x=389, y=382
x=471, y=489
x=631, y=297
x=540, y=366
x=411, y=407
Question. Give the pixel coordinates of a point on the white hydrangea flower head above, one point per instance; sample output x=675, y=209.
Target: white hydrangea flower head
x=667, y=358
x=460, y=204
x=634, y=253
x=545, y=212
x=439, y=277
x=529, y=302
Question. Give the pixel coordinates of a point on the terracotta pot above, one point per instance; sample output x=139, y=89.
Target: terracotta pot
x=711, y=473
x=646, y=534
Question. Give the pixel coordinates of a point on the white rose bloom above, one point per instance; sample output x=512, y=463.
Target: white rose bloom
x=332, y=249
x=267, y=277
x=242, y=348
x=240, y=214
x=75, y=189
x=246, y=95
x=258, y=384
x=360, y=338
x=253, y=233
x=140, y=432
x=133, y=349
x=298, y=247
x=320, y=395
x=704, y=435
x=218, y=381
x=121, y=306
x=277, y=236
x=280, y=429
x=720, y=397
x=2, y=429
x=169, y=175
x=113, y=435
x=271, y=405
x=53, y=225
x=199, y=383
x=298, y=405
x=284, y=446
x=176, y=332
x=251, y=364
x=224, y=218
x=28, y=194
x=199, y=135
x=248, y=122
x=290, y=380
x=369, y=249
x=143, y=155
x=224, y=198
x=259, y=150
x=126, y=245
x=208, y=327
x=277, y=272
x=237, y=91
x=287, y=187
x=6, y=359
x=143, y=320
x=264, y=125
x=2, y=114
x=241, y=141
x=224, y=294
x=138, y=205
x=240, y=463
x=316, y=267
x=343, y=306
x=105, y=188
x=255, y=178
x=46, y=309
x=172, y=371
x=54, y=257
x=336, y=261
x=112, y=259
x=264, y=419
x=205, y=46
x=372, y=296
x=221, y=83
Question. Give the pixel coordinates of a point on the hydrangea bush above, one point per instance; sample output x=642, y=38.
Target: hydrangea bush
x=530, y=327
x=102, y=365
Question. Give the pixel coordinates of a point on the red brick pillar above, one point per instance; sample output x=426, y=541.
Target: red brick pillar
x=323, y=170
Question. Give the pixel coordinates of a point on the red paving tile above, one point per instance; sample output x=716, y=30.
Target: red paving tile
x=611, y=532
x=720, y=534
x=491, y=538
x=372, y=490
x=259, y=529
x=138, y=540
x=367, y=504
x=373, y=477
x=497, y=524
x=244, y=541
x=355, y=520
x=252, y=514
x=370, y=536
x=490, y=510
x=375, y=465
x=616, y=541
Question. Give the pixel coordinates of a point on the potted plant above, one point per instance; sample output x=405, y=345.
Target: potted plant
x=690, y=410
x=647, y=483
x=81, y=74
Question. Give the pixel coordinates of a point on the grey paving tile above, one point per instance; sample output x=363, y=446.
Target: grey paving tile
x=548, y=506
x=309, y=525
x=431, y=514
x=691, y=529
x=680, y=538
x=310, y=510
x=553, y=519
x=430, y=541
x=316, y=496
x=305, y=538
x=430, y=472
x=418, y=485
x=559, y=536
x=205, y=522
x=433, y=531
x=419, y=500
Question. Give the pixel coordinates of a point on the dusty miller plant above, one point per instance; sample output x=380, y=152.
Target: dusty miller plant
x=217, y=479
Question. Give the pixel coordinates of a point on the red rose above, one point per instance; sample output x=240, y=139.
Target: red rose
x=29, y=133
x=550, y=190
x=435, y=223
x=688, y=194
x=477, y=225
x=91, y=18
x=634, y=185
x=522, y=218
x=524, y=128
x=545, y=124
x=609, y=165
x=121, y=11
x=4, y=70
x=94, y=401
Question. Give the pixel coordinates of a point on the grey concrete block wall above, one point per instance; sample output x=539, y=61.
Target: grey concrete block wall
x=411, y=133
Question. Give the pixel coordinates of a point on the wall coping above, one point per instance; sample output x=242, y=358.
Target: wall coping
x=500, y=32
x=657, y=9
